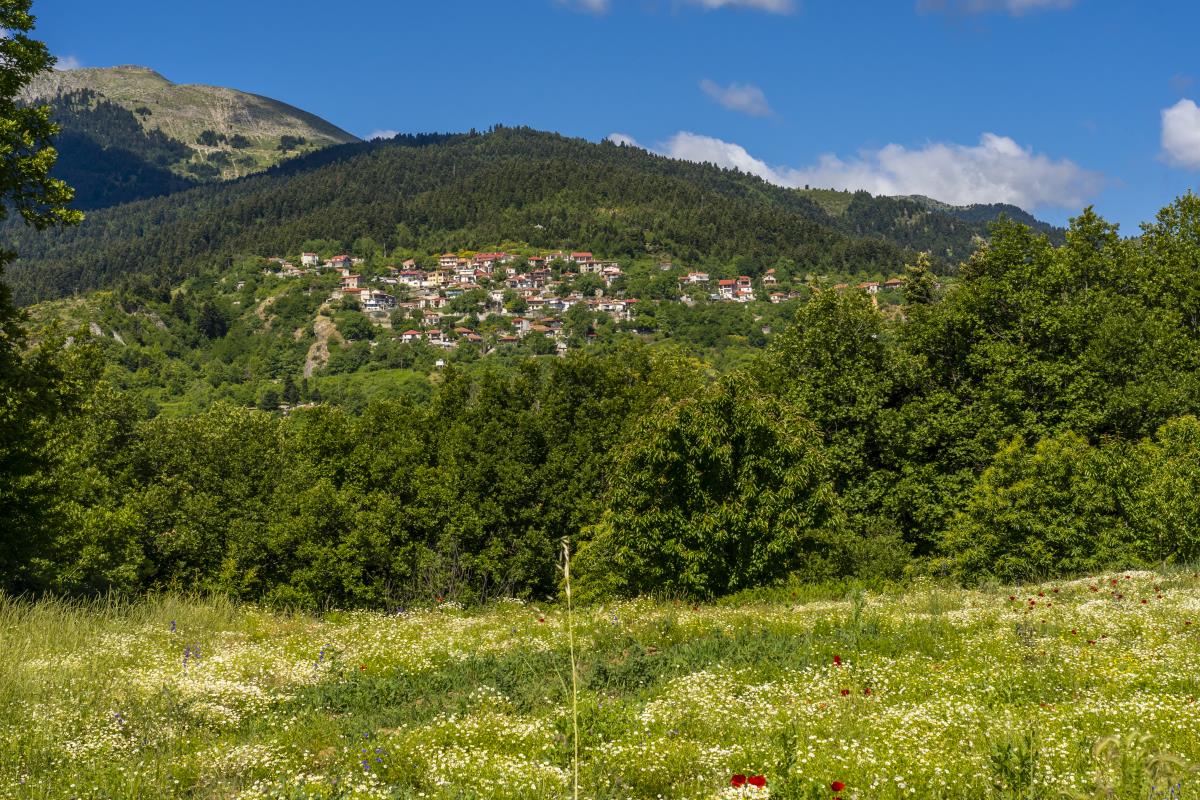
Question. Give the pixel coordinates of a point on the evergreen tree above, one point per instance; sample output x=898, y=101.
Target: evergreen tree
x=919, y=282
x=291, y=394
x=212, y=323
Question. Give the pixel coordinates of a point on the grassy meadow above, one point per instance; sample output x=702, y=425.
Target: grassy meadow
x=1080, y=689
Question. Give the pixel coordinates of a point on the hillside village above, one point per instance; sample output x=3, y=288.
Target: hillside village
x=531, y=293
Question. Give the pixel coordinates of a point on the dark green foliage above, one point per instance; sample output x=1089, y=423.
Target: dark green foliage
x=468, y=191
x=715, y=494
x=920, y=286
x=209, y=138
x=212, y=322
x=39, y=386
x=106, y=155
x=1034, y=417
x=1039, y=511
x=1167, y=482
x=354, y=326
x=203, y=170
x=326, y=507
x=287, y=143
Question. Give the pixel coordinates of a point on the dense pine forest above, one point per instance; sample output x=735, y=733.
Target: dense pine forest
x=436, y=192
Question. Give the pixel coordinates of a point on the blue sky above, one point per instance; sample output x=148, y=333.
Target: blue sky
x=1050, y=104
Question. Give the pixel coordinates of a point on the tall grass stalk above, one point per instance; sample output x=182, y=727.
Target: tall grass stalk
x=566, y=568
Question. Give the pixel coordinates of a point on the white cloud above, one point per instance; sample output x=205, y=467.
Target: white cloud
x=770, y=6
x=590, y=6
x=744, y=97
x=997, y=170
x=1014, y=7
x=706, y=149
x=67, y=62
x=623, y=138
x=1181, y=134
x=380, y=134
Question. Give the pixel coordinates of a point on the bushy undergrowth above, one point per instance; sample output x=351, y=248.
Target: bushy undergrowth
x=1076, y=689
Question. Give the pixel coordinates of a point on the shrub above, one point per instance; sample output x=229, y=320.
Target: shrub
x=715, y=494
x=1051, y=508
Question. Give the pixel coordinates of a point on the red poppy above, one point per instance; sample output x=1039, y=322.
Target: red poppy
x=541, y=619
x=1055, y=590
x=837, y=786
x=1074, y=632
x=1012, y=597
x=1114, y=581
x=758, y=781
x=1145, y=601
x=845, y=692
x=837, y=661
x=737, y=781
x=867, y=691
x=1041, y=594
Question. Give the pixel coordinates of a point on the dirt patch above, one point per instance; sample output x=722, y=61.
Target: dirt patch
x=260, y=311
x=318, y=354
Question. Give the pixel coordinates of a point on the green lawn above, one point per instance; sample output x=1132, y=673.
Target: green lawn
x=935, y=693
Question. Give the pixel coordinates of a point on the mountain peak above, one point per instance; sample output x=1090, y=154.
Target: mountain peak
x=133, y=133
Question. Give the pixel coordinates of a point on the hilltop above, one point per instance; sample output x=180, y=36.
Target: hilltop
x=129, y=132
x=470, y=191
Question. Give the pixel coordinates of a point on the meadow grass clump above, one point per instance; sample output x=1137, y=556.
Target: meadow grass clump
x=1076, y=689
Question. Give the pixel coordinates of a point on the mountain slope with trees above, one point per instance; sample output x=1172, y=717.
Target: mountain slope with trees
x=466, y=191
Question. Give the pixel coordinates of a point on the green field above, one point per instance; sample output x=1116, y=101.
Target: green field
x=1061, y=691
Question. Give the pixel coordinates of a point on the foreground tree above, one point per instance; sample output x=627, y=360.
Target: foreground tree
x=32, y=386
x=721, y=492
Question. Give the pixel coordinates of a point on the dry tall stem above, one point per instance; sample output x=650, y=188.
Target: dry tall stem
x=566, y=568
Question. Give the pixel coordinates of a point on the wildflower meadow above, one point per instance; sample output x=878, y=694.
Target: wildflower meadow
x=1079, y=689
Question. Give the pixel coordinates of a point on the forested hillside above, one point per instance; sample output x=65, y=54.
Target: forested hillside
x=467, y=191
x=1035, y=417
x=108, y=158
x=987, y=212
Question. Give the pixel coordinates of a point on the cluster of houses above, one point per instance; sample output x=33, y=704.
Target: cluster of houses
x=426, y=293
x=432, y=332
